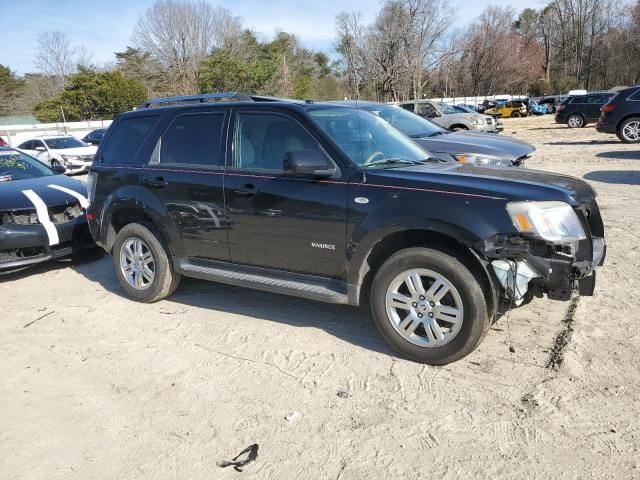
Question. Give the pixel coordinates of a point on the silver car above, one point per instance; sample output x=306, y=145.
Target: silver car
x=449, y=117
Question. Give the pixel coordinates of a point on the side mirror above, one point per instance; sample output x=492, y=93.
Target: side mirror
x=307, y=162
x=58, y=168
x=41, y=149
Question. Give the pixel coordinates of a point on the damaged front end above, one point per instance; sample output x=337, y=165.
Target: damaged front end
x=544, y=258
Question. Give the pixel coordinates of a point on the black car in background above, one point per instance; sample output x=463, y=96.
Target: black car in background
x=332, y=203
x=41, y=212
x=621, y=115
x=579, y=110
x=94, y=137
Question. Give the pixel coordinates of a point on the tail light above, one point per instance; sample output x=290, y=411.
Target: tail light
x=608, y=107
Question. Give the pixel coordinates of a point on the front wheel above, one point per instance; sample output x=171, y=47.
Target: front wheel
x=143, y=265
x=516, y=115
x=429, y=306
x=629, y=131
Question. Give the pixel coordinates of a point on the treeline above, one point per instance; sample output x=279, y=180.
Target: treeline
x=410, y=50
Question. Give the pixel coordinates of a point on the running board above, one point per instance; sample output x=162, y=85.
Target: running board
x=274, y=281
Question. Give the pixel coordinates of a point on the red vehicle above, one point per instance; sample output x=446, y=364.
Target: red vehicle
x=3, y=143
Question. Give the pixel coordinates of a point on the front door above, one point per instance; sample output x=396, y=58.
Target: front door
x=297, y=224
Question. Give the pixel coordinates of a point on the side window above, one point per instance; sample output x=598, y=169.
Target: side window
x=126, y=139
x=37, y=144
x=635, y=96
x=408, y=106
x=28, y=145
x=262, y=140
x=593, y=99
x=426, y=110
x=194, y=139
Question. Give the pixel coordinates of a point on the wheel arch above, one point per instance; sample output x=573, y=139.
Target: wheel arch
x=409, y=238
x=458, y=125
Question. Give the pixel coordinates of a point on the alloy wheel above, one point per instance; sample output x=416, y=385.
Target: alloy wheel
x=631, y=131
x=574, y=121
x=137, y=263
x=424, y=307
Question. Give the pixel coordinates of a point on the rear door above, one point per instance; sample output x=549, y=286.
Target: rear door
x=592, y=104
x=297, y=224
x=185, y=175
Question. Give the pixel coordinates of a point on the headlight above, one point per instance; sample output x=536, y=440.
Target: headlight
x=477, y=120
x=555, y=222
x=480, y=160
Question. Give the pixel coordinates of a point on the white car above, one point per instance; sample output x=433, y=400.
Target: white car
x=65, y=150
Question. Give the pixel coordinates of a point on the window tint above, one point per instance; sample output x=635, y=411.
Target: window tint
x=28, y=145
x=408, y=106
x=194, y=140
x=126, y=139
x=593, y=99
x=635, y=96
x=262, y=140
x=426, y=110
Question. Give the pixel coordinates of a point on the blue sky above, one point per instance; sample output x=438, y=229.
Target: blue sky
x=105, y=26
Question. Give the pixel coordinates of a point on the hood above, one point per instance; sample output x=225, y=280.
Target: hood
x=511, y=184
x=89, y=150
x=12, y=198
x=479, y=143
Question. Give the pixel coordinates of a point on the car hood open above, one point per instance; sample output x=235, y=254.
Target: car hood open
x=478, y=143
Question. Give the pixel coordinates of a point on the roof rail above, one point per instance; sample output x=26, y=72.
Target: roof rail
x=202, y=98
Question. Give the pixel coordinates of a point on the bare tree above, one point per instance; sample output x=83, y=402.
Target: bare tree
x=350, y=31
x=54, y=56
x=179, y=34
x=84, y=57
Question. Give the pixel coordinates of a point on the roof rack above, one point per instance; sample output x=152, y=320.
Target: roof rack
x=201, y=98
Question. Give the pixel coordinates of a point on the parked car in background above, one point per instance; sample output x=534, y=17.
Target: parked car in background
x=41, y=212
x=511, y=108
x=579, y=110
x=94, y=137
x=474, y=148
x=64, y=150
x=331, y=203
x=448, y=117
x=3, y=143
x=621, y=115
x=550, y=102
x=536, y=108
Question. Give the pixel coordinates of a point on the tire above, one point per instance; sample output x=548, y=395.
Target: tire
x=629, y=130
x=575, y=121
x=457, y=339
x=165, y=279
x=516, y=114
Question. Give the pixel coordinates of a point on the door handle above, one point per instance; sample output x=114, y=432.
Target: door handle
x=157, y=182
x=246, y=191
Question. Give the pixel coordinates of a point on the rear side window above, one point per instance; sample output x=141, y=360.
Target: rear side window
x=126, y=139
x=635, y=96
x=194, y=139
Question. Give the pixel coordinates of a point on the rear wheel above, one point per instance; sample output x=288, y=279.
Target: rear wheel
x=143, y=264
x=516, y=114
x=575, y=121
x=429, y=306
x=629, y=130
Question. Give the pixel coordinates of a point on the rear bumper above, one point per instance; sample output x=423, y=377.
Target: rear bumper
x=23, y=245
x=605, y=127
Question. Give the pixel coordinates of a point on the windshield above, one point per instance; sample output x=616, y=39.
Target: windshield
x=463, y=109
x=408, y=123
x=367, y=139
x=446, y=109
x=16, y=165
x=64, y=142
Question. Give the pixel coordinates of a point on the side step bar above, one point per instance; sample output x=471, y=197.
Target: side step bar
x=275, y=281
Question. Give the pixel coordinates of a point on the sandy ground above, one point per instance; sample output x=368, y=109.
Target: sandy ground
x=104, y=388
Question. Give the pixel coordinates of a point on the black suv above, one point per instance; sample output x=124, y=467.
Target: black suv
x=621, y=115
x=331, y=203
x=579, y=110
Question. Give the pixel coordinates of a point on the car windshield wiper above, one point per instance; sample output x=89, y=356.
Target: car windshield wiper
x=392, y=161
